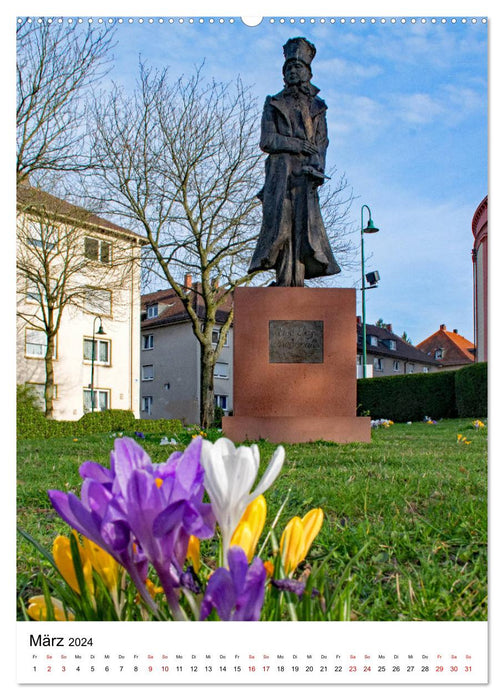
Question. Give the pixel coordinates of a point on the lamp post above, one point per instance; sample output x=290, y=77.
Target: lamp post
x=370, y=228
x=100, y=331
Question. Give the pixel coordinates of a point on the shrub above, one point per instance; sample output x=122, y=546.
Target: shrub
x=112, y=419
x=30, y=419
x=409, y=397
x=161, y=426
x=471, y=390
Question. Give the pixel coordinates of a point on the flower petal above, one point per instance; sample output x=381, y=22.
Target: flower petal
x=219, y=594
x=271, y=473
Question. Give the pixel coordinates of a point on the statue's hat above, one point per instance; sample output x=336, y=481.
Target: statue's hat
x=299, y=49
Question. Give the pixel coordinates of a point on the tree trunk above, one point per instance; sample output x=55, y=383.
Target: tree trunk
x=207, y=384
x=49, y=377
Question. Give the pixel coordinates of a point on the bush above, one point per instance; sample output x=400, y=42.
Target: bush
x=450, y=394
x=161, y=426
x=409, y=397
x=30, y=419
x=471, y=390
x=111, y=420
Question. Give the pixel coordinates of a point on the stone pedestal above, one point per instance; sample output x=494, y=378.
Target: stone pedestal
x=294, y=366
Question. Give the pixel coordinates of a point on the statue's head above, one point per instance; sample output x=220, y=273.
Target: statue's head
x=299, y=54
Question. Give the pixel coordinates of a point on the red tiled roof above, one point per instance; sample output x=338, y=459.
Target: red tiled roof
x=456, y=348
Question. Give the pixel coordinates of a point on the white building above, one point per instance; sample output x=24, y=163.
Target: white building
x=170, y=360
x=105, y=295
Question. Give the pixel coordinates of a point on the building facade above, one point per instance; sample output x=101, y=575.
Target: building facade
x=96, y=357
x=389, y=355
x=480, y=280
x=449, y=348
x=170, y=360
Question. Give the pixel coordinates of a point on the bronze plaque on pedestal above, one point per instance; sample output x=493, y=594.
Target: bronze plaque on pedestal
x=296, y=341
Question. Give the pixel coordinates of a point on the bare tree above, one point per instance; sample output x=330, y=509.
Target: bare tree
x=58, y=267
x=56, y=63
x=181, y=162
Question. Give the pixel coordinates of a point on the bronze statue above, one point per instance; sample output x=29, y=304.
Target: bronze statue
x=293, y=240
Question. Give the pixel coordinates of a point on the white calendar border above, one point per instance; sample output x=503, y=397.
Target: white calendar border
x=10, y=626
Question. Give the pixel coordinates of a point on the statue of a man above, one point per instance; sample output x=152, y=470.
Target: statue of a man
x=293, y=239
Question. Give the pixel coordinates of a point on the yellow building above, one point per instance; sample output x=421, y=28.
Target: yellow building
x=79, y=274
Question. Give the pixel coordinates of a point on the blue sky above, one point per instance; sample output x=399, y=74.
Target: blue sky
x=407, y=118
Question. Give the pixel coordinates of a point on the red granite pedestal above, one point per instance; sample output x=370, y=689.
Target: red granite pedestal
x=294, y=366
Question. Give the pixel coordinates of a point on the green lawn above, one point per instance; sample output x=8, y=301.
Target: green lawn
x=414, y=498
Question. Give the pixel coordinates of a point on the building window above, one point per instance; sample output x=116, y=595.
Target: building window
x=396, y=366
x=359, y=360
x=44, y=237
x=101, y=400
x=216, y=335
x=152, y=311
x=147, y=405
x=377, y=364
x=221, y=400
x=147, y=373
x=33, y=292
x=147, y=342
x=392, y=344
x=373, y=340
x=98, y=301
x=36, y=343
x=411, y=368
x=425, y=370
x=101, y=351
x=97, y=249
x=438, y=354
x=221, y=370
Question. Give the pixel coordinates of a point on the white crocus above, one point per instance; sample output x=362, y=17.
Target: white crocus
x=230, y=473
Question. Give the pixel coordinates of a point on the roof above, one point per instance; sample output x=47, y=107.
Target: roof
x=37, y=200
x=403, y=350
x=171, y=309
x=456, y=349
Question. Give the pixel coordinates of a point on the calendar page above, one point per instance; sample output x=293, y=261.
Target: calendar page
x=252, y=345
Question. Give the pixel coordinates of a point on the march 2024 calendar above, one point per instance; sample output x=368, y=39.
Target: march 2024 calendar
x=268, y=652
x=218, y=492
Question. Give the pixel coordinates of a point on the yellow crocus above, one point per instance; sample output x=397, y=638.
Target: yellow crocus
x=297, y=538
x=62, y=554
x=37, y=609
x=193, y=553
x=105, y=565
x=250, y=527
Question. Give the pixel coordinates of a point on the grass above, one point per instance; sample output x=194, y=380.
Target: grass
x=414, y=498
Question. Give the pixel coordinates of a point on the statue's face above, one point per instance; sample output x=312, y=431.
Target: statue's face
x=296, y=73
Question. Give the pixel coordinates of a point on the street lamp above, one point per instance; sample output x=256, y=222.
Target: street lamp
x=370, y=228
x=100, y=331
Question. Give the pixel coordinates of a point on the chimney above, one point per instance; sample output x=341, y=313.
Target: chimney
x=442, y=327
x=388, y=326
x=359, y=320
x=188, y=280
x=455, y=331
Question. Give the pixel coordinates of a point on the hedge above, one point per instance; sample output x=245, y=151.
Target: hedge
x=411, y=397
x=471, y=390
x=31, y=422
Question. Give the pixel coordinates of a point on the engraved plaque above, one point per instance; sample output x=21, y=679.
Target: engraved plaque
x=296, y=341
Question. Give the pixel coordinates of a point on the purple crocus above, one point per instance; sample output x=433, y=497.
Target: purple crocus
x=141, y=512
x=292, y=586
x=236, y=593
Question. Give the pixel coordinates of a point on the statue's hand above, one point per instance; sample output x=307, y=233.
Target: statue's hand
x=308, y=148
